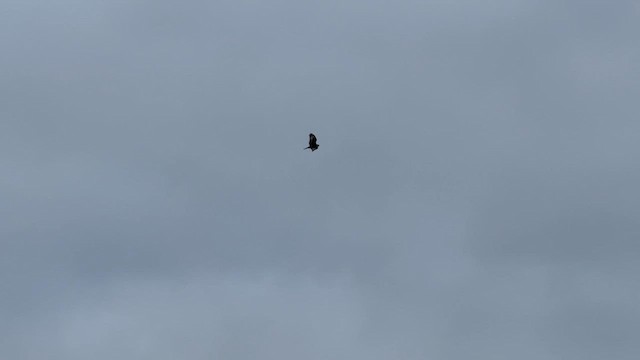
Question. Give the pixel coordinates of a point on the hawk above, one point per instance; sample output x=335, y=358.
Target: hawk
x=313, y=145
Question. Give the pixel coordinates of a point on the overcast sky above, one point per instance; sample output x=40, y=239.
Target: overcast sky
x=475, y=194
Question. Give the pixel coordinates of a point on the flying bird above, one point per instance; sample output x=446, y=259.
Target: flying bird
x=313, y=145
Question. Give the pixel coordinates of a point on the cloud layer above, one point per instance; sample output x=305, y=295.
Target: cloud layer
x=474, y=194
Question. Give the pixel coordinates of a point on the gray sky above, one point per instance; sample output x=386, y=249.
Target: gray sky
x=475, y=194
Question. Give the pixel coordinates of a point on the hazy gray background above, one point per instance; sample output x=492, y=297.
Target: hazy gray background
x=475, y=194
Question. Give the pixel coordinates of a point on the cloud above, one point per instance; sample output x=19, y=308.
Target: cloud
x=474, y=192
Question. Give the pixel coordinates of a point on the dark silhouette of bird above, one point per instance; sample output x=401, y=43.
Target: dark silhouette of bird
x=313, y=145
